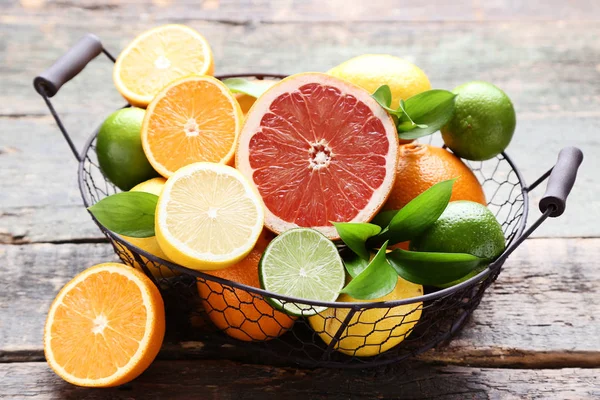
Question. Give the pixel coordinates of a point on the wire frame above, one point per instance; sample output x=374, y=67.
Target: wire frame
x=225, y=314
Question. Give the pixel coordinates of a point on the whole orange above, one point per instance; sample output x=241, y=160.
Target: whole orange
x=420, y=166
x=238, y=313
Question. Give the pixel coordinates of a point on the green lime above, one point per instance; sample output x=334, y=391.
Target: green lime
x=464, y=227
x=119, y=149
x=302, y=263
x=483, y=122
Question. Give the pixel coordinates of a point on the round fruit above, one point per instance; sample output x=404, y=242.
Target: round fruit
x=119, y=149
x=238, y=313
x=208, y=216
x=370, y=71
x=420, y=166
x=246, y=101
x=483, y=123
x=463, y=227
x=158, y=57
x=371, y=331
x=318, y=149
x=193, y=119
x=149, y=244
x=105, y=326
x=302, y=263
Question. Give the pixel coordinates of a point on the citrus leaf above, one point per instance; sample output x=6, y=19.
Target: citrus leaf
x=384, y=218
x=429, y=110
x=417, y=215
x=355, y=235
x=127, y=213
x=427, y=268
x=241, y=85
x=377, y=280
x=355, y=265
x=383, y=95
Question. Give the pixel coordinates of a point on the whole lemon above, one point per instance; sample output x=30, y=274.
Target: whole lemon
x=370, y=71
x=371, y=331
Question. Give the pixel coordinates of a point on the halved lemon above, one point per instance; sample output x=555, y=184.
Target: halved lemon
x=156, y=58
x=105, y=326
x=208, y=216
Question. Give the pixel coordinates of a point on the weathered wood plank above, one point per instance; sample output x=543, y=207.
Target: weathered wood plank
x=234, y=11
x=545, y=67
x=541, y=312
x=207, y=379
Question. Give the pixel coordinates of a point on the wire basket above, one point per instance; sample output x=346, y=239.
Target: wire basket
x=217, y=311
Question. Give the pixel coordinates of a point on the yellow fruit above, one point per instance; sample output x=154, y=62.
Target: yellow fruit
x=246, y=101
x=208, y=216
x=156, y=58
x=371, y=331
x=370, y=71
x=105, y=326
x=149, y=244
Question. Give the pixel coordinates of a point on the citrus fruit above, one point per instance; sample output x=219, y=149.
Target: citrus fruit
x=246, y=101
x=420, y=166
x=371, y=331
x=370, y=71
x=238, y=313
x=463, y=227
x=318, y=149
x=208, y=216
x=119, y=149
x=149, y=244
x=483, y=123
x=156, y=58
x=302, y=263
x=105, y=326
x=193, y=119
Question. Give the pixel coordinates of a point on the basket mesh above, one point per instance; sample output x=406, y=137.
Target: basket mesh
x=198, y=306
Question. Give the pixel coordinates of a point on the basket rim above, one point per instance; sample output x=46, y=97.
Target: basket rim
x=497, y=264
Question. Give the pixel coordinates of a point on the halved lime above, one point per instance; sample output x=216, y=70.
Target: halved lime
x=302, y=263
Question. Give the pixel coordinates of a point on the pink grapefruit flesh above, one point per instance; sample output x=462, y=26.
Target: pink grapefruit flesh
x=318, y=149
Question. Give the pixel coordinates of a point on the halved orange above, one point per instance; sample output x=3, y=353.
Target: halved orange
x=193, y=119
x=105, y=326
x=158, y=57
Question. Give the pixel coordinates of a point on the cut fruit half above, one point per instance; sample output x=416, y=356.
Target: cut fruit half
x=319, y=149
x=105, y=326
x=158, y=57
x=302, y=263
x=193, y=119
x=208, y=216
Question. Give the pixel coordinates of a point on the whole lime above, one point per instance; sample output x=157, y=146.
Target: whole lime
x=119, y=149
x=483, y=123
x=464, y=227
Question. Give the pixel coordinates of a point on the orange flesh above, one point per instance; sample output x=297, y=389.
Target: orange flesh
x=193, y=121
x=104, y=319
x=319, y=156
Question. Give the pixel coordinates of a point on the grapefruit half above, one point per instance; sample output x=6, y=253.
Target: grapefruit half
x=319, y=149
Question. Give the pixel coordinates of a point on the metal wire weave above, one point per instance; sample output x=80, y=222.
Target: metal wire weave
x=219, y=312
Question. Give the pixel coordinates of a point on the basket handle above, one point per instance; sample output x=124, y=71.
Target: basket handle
x=49, y=82
x=561, y=181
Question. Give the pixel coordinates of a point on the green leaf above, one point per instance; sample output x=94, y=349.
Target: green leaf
x=127, y=213
x=383, y=95
x=355, y=235
x=418, y=215
x=377, y=280
x=384, y=218
x=429, y=110
x=427, y=268
x=241, y=85
x=355, y=265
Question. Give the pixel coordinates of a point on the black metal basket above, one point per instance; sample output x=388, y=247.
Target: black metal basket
x=346, y=334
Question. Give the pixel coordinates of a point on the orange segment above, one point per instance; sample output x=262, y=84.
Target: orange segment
x=158, y=57
x=194, y=119
x=105, y=326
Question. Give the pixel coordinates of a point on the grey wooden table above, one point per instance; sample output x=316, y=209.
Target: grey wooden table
x=536, y=333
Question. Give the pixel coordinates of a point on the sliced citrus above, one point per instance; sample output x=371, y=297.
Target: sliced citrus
x=319, y=149
x=105, y=326
x=193, y=119
x=208, y=216
x=156, y=58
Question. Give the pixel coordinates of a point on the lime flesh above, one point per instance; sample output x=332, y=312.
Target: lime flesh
x=302, y=263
